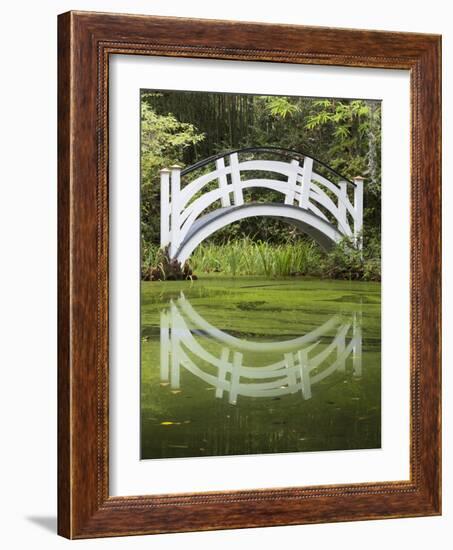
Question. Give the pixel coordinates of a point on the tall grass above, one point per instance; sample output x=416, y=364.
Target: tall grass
x=259, y=258
x=247, y=257
x=150, y=258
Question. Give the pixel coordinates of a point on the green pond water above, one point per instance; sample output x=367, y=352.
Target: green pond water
x=250, y=366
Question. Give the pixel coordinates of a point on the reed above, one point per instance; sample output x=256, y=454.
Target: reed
x=247, y=257
x=241, y=257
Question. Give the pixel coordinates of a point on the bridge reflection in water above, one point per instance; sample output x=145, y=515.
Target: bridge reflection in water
x=189, y=342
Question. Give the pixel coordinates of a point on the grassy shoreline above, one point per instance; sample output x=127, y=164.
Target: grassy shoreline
x=259, y=258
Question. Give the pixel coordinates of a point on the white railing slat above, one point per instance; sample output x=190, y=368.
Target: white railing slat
x=175, y=209
x=164, y=207
x=292, y=177
x=236, y=180
x=306, y=182
x=223, y=184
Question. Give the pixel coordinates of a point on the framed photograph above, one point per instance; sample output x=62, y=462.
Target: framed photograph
x=249, y=275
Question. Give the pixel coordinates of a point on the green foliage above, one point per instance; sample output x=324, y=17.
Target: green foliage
x=149, y=259
x=349, y=124
x=280, y=106
x=346, y=261
x=163, y=141
x=350, y=131
x=185, y=127
x=299, y=258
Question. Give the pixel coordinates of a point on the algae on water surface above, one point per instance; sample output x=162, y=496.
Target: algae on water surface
x=256, y=365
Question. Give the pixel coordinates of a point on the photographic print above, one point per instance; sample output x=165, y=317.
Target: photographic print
x=227, y=356
x=260, y=274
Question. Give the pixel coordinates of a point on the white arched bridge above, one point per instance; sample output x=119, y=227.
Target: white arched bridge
x=188, y=341
x=213, y=193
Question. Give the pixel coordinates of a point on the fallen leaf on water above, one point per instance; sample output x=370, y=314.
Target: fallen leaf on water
x=170, y=423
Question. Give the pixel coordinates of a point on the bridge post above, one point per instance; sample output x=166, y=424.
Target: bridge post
x=358, y=207
x=341, y=348
x=292, y=182
x=342, y=222
x=164, y=207
x=175, y=208
x=306, y=183
x=236, y=180
x=357, y=347
x=222, y=371
x=223, y=184
x=235, y=377
x=175, y=345
x=164, y=346
x=291, y=376
x=304, y=367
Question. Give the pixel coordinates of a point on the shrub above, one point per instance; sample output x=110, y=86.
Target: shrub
x=163, y=268
x=346, y=261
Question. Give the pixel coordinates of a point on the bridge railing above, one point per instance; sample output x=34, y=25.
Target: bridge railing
x=303, y=363
x=335, y=200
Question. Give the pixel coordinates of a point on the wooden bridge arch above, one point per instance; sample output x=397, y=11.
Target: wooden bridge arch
x=316, y=199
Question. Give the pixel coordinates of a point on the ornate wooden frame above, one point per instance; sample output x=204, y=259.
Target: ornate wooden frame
x=85, y=41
